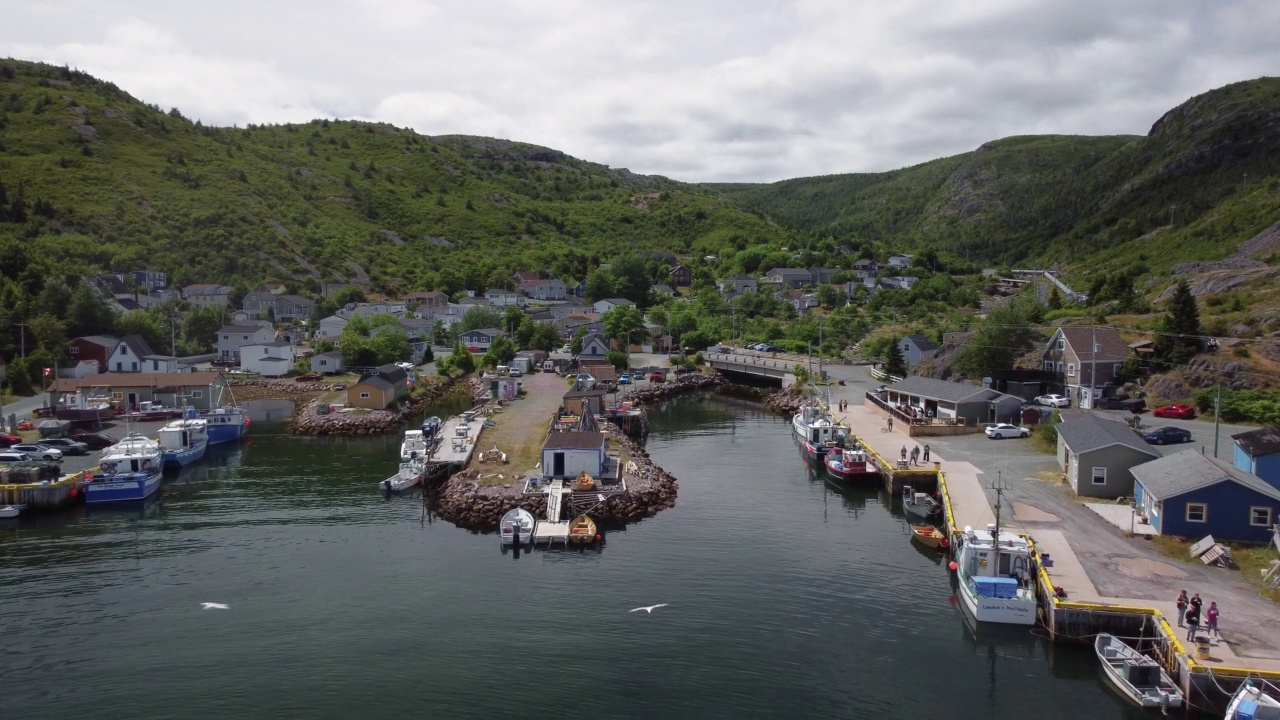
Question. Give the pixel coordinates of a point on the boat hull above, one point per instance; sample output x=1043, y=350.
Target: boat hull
x=929, y=536
x=225, y=427
x=181, y=458
x=1006, y=611
x=1166, y=695
x=84, y=415
x=122, y=488
x=836, y=467
x=813, y=452
x=517, y=519
x=582, y=530
x=8, y=512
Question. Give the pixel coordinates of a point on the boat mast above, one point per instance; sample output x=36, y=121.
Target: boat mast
x=995, y=533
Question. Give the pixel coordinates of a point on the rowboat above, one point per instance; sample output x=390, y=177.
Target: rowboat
x=582, y=530
x=516, y=527
x=1137, y=677
x=11, y=511
x=1251, y=703
x=929, y=536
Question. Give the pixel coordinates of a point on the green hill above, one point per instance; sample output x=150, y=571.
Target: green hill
x=1205, y=178
x=93, y=178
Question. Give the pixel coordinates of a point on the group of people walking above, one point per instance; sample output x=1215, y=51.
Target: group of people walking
x=842, y=405
x=915, y=454
x=1189, y=615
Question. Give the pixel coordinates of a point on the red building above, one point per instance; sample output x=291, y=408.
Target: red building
x=92, y=347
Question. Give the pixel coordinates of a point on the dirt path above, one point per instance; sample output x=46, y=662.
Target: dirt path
x=520, y=429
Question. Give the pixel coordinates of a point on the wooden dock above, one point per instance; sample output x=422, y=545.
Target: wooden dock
x=458, y=439
x=46, y=495
x=553, y=529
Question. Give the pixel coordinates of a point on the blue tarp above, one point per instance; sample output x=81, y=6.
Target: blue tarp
x=995, y=587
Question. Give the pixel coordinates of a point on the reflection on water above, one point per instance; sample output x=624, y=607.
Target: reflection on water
x=270, y=411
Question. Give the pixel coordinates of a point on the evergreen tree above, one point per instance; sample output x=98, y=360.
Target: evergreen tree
x=1180, y=329
x=895, y=364
x=1055, y=299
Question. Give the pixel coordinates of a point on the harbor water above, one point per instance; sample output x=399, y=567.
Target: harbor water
x=785, y=597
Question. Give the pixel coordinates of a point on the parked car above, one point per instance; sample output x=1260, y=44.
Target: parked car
x=515, y=372
x=7, y=458
x=309, y=377
x=1133, y=405
x=475, y=349
x=686, y=369
x=1167, y=435
x=1052, y=400
x=7, y=440
x=95, y=441
x=1177, y=411
x=38, y=453
x=585, y=380
x=657, y=376
x=624, y=379
x=1001, y=431
x=67, y=446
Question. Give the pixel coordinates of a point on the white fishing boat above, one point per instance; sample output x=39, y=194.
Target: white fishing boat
x=1252, y=702
x=8, y=512
x=921, y=505
x=995, y=580
x=816, y=430
x=184, y=441
x=129, y=471
x=409, y=475
x=415, y=445
x=516, y=527
x=1137, y=677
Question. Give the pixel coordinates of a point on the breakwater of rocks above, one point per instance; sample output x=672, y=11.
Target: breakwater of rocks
x=306, y=421
x=466, y=503
x=680, y=385
x=785, y=402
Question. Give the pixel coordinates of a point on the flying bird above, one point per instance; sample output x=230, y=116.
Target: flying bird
x=649, y=609
x=214, y=606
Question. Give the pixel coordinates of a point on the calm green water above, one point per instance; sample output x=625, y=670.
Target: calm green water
x=787, y=598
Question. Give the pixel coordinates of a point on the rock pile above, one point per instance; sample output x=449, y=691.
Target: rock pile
x=277, y=389
x=307, y=422
x=683, y=384
x=785, y=402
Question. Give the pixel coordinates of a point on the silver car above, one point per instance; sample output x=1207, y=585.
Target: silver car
x=36, y=452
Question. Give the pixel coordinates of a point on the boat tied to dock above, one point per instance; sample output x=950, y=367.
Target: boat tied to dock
x=1137, y=677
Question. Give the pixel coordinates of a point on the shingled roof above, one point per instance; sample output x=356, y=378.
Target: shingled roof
x=1258, y=443
x=1189, y=470
x=1085, y=432
x=1111, y=347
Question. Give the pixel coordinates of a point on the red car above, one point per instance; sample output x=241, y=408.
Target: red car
x=8, y=440
x=309, y=377
x=475, y=348
x=1177, y=412
x=657, y=376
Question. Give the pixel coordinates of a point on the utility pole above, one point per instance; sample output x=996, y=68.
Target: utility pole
x=22, y=339
x=1093, y=366
x=1217, y=417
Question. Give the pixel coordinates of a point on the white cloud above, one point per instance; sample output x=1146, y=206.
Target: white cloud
x=714, y=90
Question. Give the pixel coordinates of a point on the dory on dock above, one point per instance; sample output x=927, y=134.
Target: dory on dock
x=1137, y=677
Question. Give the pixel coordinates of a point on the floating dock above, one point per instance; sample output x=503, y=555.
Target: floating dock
x=553, y=529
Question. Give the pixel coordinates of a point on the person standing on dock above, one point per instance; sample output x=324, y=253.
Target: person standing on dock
x=904, y=453
x=926, y=452
x=915, y=455
x=1193, y=622
x=890, y=423
x=1195, y=602
x=1181, y=603
x=1211, y=620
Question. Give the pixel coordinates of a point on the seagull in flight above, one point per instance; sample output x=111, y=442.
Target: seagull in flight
x=214, y=606
x=649, y=609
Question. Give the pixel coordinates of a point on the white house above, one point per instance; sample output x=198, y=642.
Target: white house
x=330, y=327
x=160, y=364
x=544, y=289
x=329, y=363
x=480, y=337
x=231, y=338
x=498, y=297
x=900, y=261
x=272, y=359
x=128, y=354
x=604, y=306
x=594, y=346
x=566, y=454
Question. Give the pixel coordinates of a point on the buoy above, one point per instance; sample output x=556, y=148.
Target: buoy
x=953, y=565
x=598, y=538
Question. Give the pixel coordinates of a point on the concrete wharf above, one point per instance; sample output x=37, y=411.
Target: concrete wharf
x=1071, y=607
x=459, y=436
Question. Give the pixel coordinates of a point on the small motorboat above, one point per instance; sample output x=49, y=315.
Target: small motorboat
x=582, y=530
x=922, y=505
x=1251, y=703
x=431, y=427
x=409, y=475
x=8, y=512
x=1137, y=677
x=849, y=464
x=930, y=536
x=415, y=445
x=516, y=527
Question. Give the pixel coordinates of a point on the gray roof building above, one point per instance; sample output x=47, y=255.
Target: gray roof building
x=1189, y=470
x=1086, y=431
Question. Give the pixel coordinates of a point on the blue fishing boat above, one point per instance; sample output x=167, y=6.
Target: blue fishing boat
x=184, y=441
x=224, y=422
x=130, y=470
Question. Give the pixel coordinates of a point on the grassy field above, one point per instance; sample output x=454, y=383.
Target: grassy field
x=520, y=429
x=1253, y=560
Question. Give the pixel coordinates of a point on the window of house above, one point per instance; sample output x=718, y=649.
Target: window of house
x=1197, y=512
x=1115, y=370
x=246, y=337
x=1071, y=369
x=73, y=350
x=364, y=396
x=1099, y=476
x=133, y=366
x=1048, y=366
x=124, y=349
x=196, y=394
x=226, y=337
x=1260, y=516
x=1062, y=344
x=1060, y=366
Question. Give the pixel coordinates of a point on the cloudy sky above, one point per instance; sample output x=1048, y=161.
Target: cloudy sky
x=699, y=90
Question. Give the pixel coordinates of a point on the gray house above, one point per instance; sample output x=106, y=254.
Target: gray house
x=972, y=404
x=329, y=363
x=735, y=284
x=233, y=337
x=916, y=348
x=1098, y=454
x=787, y=278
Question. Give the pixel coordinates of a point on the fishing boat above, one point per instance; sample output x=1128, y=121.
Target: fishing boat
x=415, y=445
x=1137, y=677
x=130, y=470
x=8, y=512
x=582, y=530
x=148, y=411
x=81, y=408
x=409, y=475
x=921, y=505
x=850, y=464
x=930, y=536
x=816, y=430
x=184, y=441
x=227, y=422
x=996, y=583
x=516, y=527
x=1252, y=703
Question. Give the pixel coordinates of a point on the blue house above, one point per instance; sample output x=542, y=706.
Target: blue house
x=1191, y=495
x=1258, y=452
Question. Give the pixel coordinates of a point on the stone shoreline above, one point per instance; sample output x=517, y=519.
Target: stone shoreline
x=377, y=422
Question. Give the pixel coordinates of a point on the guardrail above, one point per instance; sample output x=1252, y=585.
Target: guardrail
x=751, y=361
x=882, y=376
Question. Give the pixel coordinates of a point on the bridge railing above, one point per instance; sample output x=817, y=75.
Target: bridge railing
x=751, y=361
